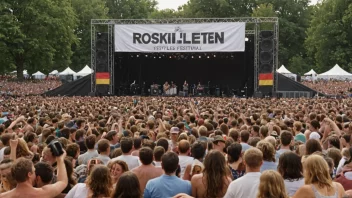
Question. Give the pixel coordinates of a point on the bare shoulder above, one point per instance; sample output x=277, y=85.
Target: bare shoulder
x=197, y=177
x=304, y=192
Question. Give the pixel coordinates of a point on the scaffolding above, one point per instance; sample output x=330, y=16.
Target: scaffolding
x=253, y=27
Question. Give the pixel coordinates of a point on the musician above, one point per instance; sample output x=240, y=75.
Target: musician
x=185, y=86
x=166, y=88
x=200, y=88
x=173, y=89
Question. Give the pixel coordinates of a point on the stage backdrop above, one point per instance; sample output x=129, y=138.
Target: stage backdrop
x=203, y=37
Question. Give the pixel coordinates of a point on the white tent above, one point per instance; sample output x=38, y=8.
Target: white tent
x=311, y=73
x=25, y=73
x=67, y=71
x=335, y=73
x=38, y=75
x=282, y=70
x=85, y=71
x=53, y=73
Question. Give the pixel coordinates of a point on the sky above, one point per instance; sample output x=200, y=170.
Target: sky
x=173, y=4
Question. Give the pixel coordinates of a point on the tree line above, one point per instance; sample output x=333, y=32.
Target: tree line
x=53, y=34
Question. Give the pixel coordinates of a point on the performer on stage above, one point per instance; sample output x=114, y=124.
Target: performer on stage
x=200, y=88
x=173, y=89
x=166, y=88
x=185, y=86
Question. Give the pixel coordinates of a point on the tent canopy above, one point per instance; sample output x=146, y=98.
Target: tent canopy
x=67, y=71
x=54, y=72
x=336, y=73
x=311, y=72
x=38, y=73
x=85, y=71
x=283, y=70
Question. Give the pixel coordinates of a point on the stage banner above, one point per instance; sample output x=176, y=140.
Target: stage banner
x=202, y=37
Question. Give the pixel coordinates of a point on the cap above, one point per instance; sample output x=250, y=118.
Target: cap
x=110, y=135
x=218, y=138
x=174, y=130
x=314, y=135
x=300, y=137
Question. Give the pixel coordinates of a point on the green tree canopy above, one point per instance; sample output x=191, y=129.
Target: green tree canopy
x=36, y=34
x=85, y=11
x=130, y=9
x=329, y=40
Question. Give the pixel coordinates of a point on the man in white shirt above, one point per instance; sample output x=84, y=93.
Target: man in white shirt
x=127, y=148
x=247, y=185
x=184, y=149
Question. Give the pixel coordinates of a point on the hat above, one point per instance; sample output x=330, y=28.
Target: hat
x=314, y=135
x=218, y=138
x=300, y=137
x=174, y=130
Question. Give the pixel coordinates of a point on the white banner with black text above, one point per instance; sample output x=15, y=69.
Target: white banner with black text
x=203, y=37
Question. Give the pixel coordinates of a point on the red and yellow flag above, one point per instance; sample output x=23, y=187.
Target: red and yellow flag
x=266, y=79
x=102, y=78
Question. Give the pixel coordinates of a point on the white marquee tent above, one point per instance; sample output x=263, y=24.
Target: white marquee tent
x=67, y=71
x=311, y=73
x=54, y=73
x=336, y=73
x=85, y=71
x=282, y=70
x=38, y=75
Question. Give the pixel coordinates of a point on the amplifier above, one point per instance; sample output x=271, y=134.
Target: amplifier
x=182, y=93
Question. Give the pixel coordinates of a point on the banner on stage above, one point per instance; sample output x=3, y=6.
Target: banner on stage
x=202, y=37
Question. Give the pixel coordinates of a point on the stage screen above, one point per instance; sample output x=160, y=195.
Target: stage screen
x=203, y=37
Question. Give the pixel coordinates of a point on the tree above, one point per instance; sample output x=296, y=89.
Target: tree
x=294, y=16
x=329, y=36
x=265, y=10
x=36, y=34
x=218, y=8
x=130, y=9
x=85, y=11
x=165, y=14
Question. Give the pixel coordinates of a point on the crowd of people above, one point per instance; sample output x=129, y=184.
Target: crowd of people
x=10, y=87
x=175, y=147
x=330, y=87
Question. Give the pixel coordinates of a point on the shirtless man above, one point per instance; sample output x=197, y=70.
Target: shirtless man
x=147, y=170
x=23, y=172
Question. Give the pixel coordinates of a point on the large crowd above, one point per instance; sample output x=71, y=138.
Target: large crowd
x=175, y=147
x=330, y=87
x=12, y=87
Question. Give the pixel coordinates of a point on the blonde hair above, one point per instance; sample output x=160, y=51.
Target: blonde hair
x=345, y=153
x=22, y=149
x=271, y=185
x=316, y=171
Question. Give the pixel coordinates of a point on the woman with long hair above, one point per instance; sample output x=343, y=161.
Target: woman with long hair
x=214, y=180
x=318, y=182
x=290, y=168
x=234, y=158
x=271, y=185
x=345, y=175
x=127, y=186
x=98, y=184
x=117, y=168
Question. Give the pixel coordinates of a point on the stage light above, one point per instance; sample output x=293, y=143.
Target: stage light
x=192, y=56
x=214, y=56
x=159, y=56
x=146, y=55
x=208, y=57
x=246, y=39
x=154, y=57
x=170, y=57
x=137, y=56
x=200, y=57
